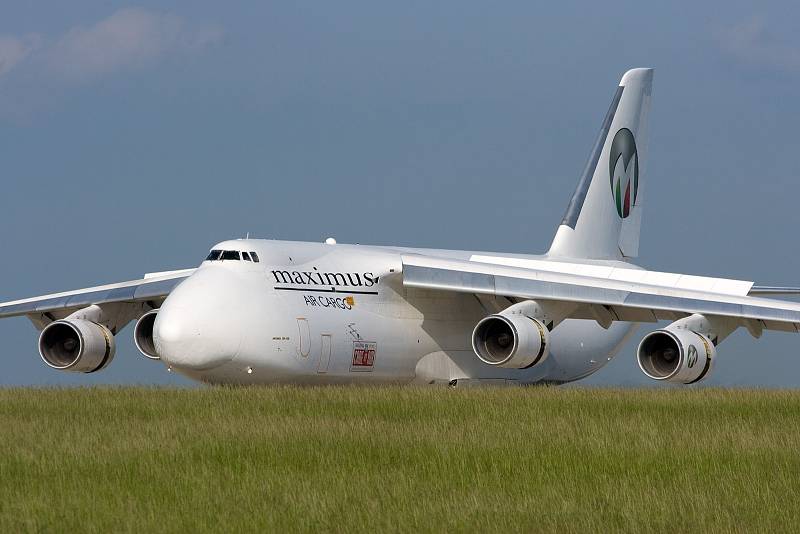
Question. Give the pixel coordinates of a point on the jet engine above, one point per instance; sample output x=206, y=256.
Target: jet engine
x=76, y=345
x=143, y=335
x=512, y=341
x=676, y=355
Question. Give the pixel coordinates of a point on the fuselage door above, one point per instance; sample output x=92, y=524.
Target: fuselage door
x=324, y=354
x=303, y=337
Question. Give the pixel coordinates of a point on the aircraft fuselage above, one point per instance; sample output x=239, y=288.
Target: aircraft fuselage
x=309, y=313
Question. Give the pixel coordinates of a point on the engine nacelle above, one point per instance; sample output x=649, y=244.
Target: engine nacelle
x=143, y=335
x=511, y=341
x=676, y=355
x=76, y=345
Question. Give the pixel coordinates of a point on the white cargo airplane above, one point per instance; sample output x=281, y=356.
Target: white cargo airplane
x=263, y=312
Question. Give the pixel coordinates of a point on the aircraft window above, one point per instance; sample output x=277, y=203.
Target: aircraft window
x=230, y=255
x=255, y=256
x=246, y=256
x=214, y=255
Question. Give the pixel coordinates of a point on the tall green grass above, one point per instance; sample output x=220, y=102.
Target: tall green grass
x=398, y=459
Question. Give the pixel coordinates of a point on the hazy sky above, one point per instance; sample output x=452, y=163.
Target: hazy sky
x=134, y=136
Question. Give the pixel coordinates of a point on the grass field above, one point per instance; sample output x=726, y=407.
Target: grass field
x=398, y=459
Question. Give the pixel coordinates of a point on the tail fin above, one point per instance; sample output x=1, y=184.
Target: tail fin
x=605, y=213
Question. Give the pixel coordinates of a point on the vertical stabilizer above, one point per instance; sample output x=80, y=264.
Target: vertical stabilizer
x=605, y=213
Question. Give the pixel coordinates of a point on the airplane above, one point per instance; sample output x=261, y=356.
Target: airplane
x=280, y=312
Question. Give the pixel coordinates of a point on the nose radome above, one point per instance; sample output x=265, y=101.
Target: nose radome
x=196, y=327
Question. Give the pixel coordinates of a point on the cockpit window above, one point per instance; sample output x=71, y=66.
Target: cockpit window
x=219, y=255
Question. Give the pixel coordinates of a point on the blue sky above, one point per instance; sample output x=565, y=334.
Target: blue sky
x=134, y=136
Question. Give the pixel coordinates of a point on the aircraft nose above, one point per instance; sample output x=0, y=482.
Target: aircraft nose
x=197, y=328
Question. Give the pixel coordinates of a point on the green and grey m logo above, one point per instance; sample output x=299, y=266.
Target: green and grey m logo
x=623, y=168
x=691, y=356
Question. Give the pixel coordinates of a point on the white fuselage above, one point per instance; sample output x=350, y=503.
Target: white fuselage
x=310, y=313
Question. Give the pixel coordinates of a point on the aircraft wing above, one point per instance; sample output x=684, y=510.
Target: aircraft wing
x=617, y=295
x=153, y=287
x=774, y=290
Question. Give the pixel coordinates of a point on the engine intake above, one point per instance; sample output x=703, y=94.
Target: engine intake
x=76, y=345
x=143, y=335
x=511, y=341
x=676, y=355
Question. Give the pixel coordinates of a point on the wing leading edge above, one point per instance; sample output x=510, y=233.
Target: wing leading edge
x=623, y=300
